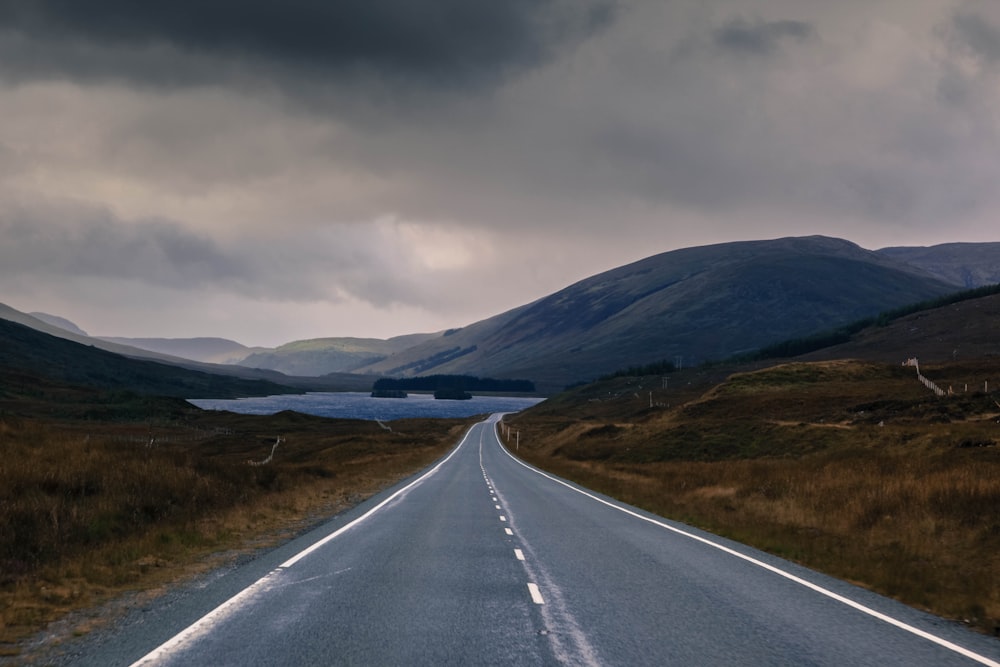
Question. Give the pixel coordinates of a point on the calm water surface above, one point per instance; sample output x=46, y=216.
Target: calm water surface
x=357, y=405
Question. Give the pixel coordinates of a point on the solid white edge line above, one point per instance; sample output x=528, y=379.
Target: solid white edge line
x=771, y=568
x=536, y=595
x=308, y=550
x=232, y=603
x=203, y=623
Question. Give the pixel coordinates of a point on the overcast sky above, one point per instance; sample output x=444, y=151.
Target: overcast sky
x=272, y=171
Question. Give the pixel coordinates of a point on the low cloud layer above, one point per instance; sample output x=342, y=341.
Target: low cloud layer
x=377, y=168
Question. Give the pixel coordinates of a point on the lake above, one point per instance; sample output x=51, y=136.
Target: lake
x=358, y=405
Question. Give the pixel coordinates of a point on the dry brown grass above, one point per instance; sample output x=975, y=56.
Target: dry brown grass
x=902, y=496
x=90, y=509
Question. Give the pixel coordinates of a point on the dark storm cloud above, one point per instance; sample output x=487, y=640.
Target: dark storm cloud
x=759, y=37
x=439, y=42
x=969, y=68
x=978, y=35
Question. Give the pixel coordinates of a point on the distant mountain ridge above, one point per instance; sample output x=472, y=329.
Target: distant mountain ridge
x=319, y=356
x=328, y=382
x=13, y=315
x=60, y=322
x=964, y=264
x=306, y=358
x=688, y=305
x=206, y=349
x=312, y=357
x=29, y=356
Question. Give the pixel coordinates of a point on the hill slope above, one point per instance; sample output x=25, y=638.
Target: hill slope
x=329, y=382
x=14, y=315
x=206, y=349
x=957, y=332
x=320, y=356
x=28, y=356
x=964, y=264
x=304, y=358
x=60, y=322
x=688, y=305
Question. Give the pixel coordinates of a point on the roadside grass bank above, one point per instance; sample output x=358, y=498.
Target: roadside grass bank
x=93, y=509
x=843, y=467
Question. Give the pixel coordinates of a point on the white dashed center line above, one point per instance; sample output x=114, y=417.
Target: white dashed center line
x=519, y=554
x=536, y=595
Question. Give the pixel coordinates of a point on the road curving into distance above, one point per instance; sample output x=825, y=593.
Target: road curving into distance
x=484, y=560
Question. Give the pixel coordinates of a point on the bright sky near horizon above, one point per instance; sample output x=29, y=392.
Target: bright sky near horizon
x=269, y=171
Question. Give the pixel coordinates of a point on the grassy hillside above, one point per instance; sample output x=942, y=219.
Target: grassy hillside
x=92, y=509
x=879, y=336
x=964, y=330
x=321, y=356
x=848, y=466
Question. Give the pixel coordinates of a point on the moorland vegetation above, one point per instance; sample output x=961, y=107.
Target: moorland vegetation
x=848, y=466
x=104, y=492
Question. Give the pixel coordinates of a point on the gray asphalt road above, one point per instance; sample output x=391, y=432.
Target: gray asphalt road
x=485, y=561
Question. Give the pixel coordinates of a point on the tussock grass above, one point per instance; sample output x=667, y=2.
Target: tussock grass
x=89, y=509
x=845, y=467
